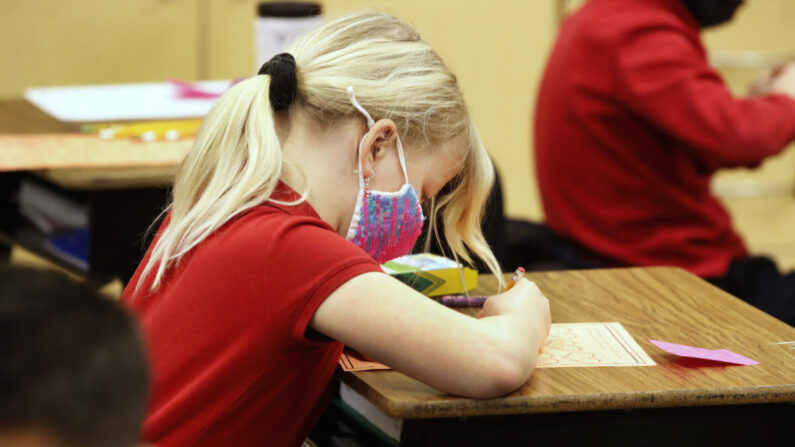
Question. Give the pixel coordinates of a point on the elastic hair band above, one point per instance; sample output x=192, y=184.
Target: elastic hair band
x=284, y=83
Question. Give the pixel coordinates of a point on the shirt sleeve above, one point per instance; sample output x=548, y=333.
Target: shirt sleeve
x=664, y=77
x=308, y=262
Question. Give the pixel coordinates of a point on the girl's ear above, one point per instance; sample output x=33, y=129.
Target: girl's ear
x=381, y=136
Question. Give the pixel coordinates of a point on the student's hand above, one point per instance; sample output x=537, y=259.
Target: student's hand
x=783, y=80
x=389, y=322
x=525, y=303
x=761, y=84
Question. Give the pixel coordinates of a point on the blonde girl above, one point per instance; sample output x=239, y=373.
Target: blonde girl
x=300, y=180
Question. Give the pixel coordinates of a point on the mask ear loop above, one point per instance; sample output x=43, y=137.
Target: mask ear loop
x=370, y=122
x=359, y=107
x=402, y=158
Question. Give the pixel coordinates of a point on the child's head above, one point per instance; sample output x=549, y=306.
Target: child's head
x=73, y=371
x=239, y=156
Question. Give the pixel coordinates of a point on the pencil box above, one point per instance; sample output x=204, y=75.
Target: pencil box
x=432, y=274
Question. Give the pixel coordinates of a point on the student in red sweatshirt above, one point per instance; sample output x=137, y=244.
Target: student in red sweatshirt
x=631, y=123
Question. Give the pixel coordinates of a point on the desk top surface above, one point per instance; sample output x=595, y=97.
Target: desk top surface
x=35, y=141
x=18, y=116
x=660, y=303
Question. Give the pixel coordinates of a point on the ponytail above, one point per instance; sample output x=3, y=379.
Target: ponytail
x=234, y=164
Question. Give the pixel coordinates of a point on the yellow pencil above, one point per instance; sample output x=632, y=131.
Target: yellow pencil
x=517, y=275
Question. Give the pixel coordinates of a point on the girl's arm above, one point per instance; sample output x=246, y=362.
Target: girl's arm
x=475, y=357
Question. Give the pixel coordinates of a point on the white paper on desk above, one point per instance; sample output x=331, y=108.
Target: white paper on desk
x=118, y=102
x=591, y=344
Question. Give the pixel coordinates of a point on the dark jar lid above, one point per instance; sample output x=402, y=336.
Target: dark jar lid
x=288, y=9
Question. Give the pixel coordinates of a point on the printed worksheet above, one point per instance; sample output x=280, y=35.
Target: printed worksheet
x=591, y=344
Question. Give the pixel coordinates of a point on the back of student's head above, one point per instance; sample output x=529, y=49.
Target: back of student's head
x=73, y=368
x=236, y=160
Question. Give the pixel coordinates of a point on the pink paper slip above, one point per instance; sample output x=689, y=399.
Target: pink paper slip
x=718, y=355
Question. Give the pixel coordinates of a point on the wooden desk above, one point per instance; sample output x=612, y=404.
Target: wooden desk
x=18, y=116
x=570, y=405
x=123, y=201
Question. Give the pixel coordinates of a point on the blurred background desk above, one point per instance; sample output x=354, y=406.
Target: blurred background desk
x=121, y=201
x=676, y=402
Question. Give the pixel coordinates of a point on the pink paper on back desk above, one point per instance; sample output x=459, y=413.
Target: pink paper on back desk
x=718, y=355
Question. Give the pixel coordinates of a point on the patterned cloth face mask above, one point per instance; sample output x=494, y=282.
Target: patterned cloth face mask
x=384, y=224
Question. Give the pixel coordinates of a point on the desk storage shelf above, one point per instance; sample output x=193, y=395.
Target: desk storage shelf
x=117, y=223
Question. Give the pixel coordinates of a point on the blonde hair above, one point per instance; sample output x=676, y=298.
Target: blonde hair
x=236, y=160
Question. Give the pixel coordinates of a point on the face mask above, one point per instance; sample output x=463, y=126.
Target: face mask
x=712, y=12
x=384, y=224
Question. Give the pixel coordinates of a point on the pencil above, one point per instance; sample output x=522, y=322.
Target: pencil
x=517, y=275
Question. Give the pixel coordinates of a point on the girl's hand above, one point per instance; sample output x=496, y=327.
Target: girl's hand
x=523, y=303
x=373, y=311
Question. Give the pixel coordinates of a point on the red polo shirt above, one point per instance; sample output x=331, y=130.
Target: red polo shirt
x=631, y=123
x=226, y=330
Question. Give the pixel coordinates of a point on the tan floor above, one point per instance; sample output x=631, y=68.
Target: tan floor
x=762, y=203
x=768, y=226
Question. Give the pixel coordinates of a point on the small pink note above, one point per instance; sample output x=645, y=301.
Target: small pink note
x=718, y=355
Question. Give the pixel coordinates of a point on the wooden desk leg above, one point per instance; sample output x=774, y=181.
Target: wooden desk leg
x=9, y=185
x=730, y=425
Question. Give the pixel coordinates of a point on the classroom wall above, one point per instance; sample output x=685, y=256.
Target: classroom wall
x=497, y=49
x=50, y=42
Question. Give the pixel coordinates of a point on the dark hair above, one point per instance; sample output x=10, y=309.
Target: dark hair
x=73, y=363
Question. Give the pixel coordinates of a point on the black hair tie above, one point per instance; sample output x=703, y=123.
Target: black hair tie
x=284, y=84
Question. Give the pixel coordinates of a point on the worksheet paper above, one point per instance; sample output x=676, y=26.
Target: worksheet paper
x=591, y=344
x=568, y=345
x=353, y=361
